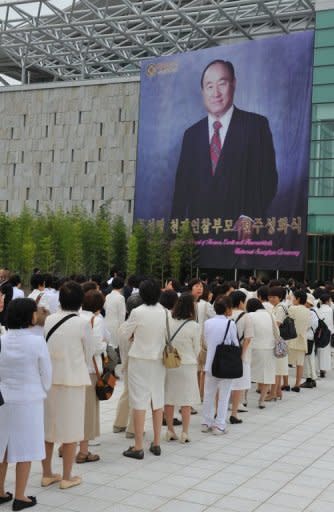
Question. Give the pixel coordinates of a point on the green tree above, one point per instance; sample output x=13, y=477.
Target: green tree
x=118, y=242
x=132, y=254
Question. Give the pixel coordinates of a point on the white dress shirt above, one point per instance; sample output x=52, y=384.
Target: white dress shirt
x=214, y=332
x=224, y=121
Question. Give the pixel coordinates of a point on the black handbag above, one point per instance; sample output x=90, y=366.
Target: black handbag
x=227, y=362
x=287, y=328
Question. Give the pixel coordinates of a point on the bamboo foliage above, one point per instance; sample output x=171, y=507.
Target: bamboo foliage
x=76, y=242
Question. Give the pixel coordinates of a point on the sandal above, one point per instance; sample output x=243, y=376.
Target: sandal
x=86, y=457
x=4, y=499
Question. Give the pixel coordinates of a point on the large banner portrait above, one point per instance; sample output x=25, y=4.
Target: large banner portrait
x=224, y=138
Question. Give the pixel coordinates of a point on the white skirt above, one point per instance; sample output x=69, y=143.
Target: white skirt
x=146, y=379
x=263, y=368
x=282, y=366
x=22, y=431
x=243, y=382
x=182, y=386
x=324, y=358
x=65, y=414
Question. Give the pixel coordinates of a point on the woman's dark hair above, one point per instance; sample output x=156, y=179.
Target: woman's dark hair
x=15, y=280
x=48, y=279
x=237, y=297
x=93, y=301
x=36, y=281
x=206, y=292
x=277, y=291
x=301, y=296
x=19, y=313
x=117, y=283
x=175, y=284
x=149, y=291
x=262, y=293
x=325, y=297
x=89, y=285
x=71, y=296
x=184, y=307
x=222, y=304
x=168, y=299
x=253, y=305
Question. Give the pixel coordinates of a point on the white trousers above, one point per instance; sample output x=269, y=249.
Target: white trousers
x=324, y=358
x=309, y=366
x=213, y=386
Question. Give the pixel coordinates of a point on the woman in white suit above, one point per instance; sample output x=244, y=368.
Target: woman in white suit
x=25, y=377
x=181, y=383
x=263, y=364
x=71, y=348
x=115, y=309
x=146, y=326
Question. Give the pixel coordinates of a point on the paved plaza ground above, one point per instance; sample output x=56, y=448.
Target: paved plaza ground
x=279, y=459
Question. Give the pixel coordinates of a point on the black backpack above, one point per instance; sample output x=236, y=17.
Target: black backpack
x=287, y=328
x=322, y=335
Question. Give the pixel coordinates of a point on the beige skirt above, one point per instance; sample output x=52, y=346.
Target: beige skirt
x=296, y=357
x=263, y=367
x=182, y=386
x=92, y=411
x=65, y=414
x=146, y=378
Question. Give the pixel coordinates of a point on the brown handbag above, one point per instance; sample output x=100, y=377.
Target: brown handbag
x=171, y=357
x=106, y=382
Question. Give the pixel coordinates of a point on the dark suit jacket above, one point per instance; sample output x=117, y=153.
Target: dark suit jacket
x=245, y=181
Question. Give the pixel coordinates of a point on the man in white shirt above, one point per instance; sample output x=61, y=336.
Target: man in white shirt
x=214, y=332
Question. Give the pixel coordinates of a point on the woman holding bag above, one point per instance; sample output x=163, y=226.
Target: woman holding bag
x=181, y=383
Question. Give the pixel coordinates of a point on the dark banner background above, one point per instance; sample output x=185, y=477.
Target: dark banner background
x=274, y=79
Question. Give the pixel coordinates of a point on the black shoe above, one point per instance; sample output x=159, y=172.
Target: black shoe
x=235, y=420
x=20, y=504
x=314, y=383
x=156, y=450
x=176, y=422
x=322, y=374
x=4, y=499
x=134, y=454
x=296, y=389
x=308, y=384
x=285, y=388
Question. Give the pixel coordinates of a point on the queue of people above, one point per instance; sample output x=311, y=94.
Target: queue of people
x=53, y=340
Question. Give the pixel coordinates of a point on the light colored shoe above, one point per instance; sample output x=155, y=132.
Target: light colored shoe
x=205, y=428
x=242, y=408
x=67, y=484
x=218, y=431
x=118, y=430
x=184, y=438
x=171, y=436
x=129, y=435
x=49, y=480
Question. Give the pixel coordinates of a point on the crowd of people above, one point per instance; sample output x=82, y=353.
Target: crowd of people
x=55, y=341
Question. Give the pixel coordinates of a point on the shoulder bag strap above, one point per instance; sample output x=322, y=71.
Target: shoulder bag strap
x=285, y=310
x=58, y=324
x=167, y=327
x=227, y=328
x=236, y=321
x=179, y=329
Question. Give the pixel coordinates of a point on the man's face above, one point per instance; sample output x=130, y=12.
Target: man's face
x=218, y=89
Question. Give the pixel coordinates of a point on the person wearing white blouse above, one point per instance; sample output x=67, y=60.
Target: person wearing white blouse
x=115, y=309
x=214, y=332
x=325, y=312
x=25, y=377
x=146, y=326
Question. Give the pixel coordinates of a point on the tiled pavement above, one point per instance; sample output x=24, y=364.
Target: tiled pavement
x=280, y=459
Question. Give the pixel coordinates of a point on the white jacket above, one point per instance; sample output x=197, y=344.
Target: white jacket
x=25, y=366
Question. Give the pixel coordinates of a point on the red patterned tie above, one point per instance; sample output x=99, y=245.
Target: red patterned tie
x=215, y=146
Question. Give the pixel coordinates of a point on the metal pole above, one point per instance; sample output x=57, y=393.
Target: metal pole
x=277, y=274
x=235, y=274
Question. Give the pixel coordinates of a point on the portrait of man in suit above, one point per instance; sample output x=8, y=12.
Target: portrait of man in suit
x=227, y=165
